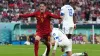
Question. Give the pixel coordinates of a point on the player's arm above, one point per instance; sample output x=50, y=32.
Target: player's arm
x=74, y=20
x=55, y=47
x=54, y=41
x=54, y=16
x=59, y=24
x=61, y=16
x=28, y=15
x=62, y=13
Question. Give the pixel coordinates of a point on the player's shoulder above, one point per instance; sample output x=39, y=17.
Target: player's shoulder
x=63, y=7
x=68, y=6
x=48, y=12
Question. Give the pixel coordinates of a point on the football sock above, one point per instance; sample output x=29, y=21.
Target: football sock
x=36, y=47
x=48, y=49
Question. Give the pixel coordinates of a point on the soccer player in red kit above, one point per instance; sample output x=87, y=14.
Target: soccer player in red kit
x=43, y=17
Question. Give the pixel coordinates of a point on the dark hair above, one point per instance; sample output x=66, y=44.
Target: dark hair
x=43, y=3
x=67, y=1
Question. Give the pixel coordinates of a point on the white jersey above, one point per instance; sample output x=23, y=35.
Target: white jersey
x=60, y=38
x=67, y=12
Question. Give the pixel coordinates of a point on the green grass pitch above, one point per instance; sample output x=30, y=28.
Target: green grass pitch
x=23, y=50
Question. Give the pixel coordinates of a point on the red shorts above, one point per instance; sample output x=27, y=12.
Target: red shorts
x=44, y=36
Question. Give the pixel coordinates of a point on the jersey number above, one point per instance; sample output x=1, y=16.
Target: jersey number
x=70, y=12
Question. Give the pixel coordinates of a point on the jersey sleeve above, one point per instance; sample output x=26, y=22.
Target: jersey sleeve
x=54, y=15
x=62, y=12
x=28, y=15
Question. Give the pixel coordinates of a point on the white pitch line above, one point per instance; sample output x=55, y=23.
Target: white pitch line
x=86, y=49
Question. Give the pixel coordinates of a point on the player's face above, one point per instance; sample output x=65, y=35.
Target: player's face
x=42, y=8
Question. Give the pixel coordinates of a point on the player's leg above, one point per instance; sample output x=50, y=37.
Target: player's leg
x=71, y=29
x=68, y=50
x=36, y=45
x=48, y=45
x=80, y=54
x=44, y=54
x=52, y=42
x=65, y=29
x=68, y=31
x=48, y=48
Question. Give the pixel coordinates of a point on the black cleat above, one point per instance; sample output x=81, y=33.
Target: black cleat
x=85, y=54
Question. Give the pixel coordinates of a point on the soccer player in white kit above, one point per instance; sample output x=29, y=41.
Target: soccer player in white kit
x=68, y=20
x=61, y=40
x=58, y=38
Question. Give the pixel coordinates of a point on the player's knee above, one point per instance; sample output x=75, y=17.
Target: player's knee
x=37, y=38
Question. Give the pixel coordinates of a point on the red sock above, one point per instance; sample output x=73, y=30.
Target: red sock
x=36, y=47
x=48, y=49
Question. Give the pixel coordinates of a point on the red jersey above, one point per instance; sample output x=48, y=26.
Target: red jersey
x=43, y=21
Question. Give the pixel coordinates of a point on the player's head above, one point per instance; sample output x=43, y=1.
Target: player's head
x=65, y=1
x=42, y=6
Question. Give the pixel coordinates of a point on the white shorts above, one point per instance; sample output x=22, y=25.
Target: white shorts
x=67, y=29
x=68, y=48
x=67, y=45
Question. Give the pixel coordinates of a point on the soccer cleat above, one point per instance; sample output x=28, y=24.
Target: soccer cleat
x=85, y=54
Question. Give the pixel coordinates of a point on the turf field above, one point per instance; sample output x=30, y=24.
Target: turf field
x=93, y=50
